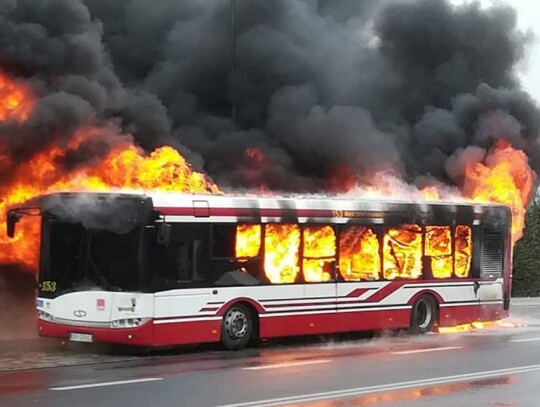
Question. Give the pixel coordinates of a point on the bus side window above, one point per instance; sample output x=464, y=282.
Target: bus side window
x=438, y=251
x=186, y=260
x=359, y=257
x=319, y=253
x=235, y=255
x=281, y=251
x=178, y=261
x=223, y=241
x=403, y=252
x=463, y=251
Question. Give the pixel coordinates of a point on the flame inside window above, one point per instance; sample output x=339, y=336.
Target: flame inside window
x=319, y=253
x=248, y=240
x=403, y=252
x=281, y=244
x=438, y=247
x=463, y=247
x=359, y=256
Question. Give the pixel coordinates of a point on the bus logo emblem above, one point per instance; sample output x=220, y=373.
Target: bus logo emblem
x=79, y=313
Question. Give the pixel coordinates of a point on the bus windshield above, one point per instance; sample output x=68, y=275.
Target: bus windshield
x=91, y=243
x=81, y=259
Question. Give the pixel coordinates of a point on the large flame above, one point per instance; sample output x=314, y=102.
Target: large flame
x=281, y=247
x=248, y=240
x=287, y=247
x=319, y=253
x=504, y=177
x=403, y=252
x=125, y=166
x=359, y=256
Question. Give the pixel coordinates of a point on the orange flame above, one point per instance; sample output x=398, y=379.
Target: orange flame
x=248, y=240
x=319, y=253
x=403, y=252
x=16, y=101
x=124, y=167
x=504, y=177
x=463, y=255
x=359, y=253
x=359, y=256
x=281, y=246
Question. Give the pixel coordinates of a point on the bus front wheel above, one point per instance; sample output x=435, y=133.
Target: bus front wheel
x=423, y=315
x=237, y=327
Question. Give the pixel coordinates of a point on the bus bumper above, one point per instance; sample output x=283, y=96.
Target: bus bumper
x=141, y=336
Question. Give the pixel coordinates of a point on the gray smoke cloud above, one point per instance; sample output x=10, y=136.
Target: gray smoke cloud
x=318, y=83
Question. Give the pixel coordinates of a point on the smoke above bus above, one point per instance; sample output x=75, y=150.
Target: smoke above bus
x=367, y=99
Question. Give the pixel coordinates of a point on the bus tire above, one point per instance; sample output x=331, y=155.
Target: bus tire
x=424, y=315
x=237, y=327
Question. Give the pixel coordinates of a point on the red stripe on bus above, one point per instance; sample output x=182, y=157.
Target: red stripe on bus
x=386, y=291
x=358, y=292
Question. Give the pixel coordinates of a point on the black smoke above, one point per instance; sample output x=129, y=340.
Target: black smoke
x=317, y=84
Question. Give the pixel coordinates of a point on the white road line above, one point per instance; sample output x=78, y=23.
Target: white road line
x=524, y=340
x=409, y=352
x=105, y=384
x=290, y=364
x=525, y=304
x=386, y=387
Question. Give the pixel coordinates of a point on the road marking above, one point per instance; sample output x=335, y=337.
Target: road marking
x=105, y=384
x=409, y=352
x=525, y=304
x=290, y=364
x=524, y=340
x=386, y=387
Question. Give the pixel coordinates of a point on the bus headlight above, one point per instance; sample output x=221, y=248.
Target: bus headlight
x=45, y=316
x=129, y=322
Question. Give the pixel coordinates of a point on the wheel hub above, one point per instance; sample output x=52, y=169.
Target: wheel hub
x=236, y=324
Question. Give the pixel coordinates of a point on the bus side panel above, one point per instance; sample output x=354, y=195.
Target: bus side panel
x=272, y=326
x=452, y=315
x=492, y=312
x=372, y=320
x=188, y=332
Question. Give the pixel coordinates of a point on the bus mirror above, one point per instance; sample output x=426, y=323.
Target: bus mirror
x=164, y=233
x=12, y=219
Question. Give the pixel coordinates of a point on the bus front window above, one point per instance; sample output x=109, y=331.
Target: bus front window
x=77, y=258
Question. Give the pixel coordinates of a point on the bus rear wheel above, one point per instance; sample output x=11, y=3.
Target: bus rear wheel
x=423, y=315
x=237, y=327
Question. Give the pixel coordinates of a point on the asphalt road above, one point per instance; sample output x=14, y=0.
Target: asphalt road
x=495, y=367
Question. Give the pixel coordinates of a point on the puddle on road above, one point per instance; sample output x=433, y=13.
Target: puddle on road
x=416, y=393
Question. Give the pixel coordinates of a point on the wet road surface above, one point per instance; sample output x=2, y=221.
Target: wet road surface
x=499, y=367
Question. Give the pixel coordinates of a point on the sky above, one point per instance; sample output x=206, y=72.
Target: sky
x=528, y=15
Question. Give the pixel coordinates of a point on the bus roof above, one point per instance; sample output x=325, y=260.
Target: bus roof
x=162, y=199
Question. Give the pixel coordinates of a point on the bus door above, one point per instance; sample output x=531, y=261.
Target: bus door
x=489, y=285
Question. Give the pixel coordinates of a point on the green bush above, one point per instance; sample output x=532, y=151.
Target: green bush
x=526, y=281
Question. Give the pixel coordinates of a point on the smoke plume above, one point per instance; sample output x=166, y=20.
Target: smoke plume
x=317, y=84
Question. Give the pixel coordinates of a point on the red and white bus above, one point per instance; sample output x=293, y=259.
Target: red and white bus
x=168, y=269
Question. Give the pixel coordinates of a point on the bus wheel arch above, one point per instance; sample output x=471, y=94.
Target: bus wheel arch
x=424, y=314
x=239, y=326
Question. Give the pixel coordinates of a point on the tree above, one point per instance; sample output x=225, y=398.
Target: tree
x=526, y=281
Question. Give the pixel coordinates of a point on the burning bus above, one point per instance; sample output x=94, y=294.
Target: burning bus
x=168, y=268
